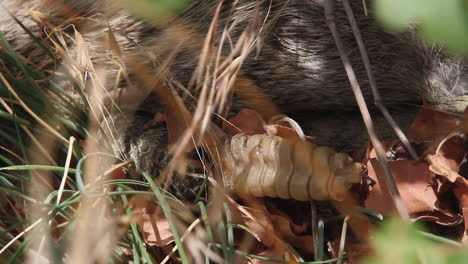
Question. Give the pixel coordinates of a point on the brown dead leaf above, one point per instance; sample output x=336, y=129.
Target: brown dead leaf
x=430, y=125
x=273, y=231
x=157, y=118
x=260, y=224
x=261, y=227
x=275, y=252
x=292, y=210
x=414, y=180
x=82, y=55
x=153, y=224
x=176, y=127
x=444, y=167
x=285, y=227
x=453, y=149
x=449, y=153
x=117, y=174
x=114, y=46
x=247, y=121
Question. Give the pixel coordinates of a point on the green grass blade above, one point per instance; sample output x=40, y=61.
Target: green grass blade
x=167, y=213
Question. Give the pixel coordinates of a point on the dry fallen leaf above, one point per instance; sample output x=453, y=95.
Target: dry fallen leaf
x=276, y=253
x=417, y=186
x=176, y=127
x=247, y=121
x=113, y=44
x=449, y=153
x=285, y=227
x=430, y=125
x=260, y=224
x=117, y=174
x=157, y=118
x=414, y=180
x=152, y=222
x=273, y=231
x=443, y=166
x=453, y=149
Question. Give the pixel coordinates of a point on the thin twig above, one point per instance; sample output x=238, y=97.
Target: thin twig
x=20, y=235
x=65, y=171
x=330, y=19
x=375, y=92
x=342, y=240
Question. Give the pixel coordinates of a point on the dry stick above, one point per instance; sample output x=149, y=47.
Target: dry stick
x=342, y=240
x=20, y=235
x=182, y=239
x=375, y=92
x=330, y=20
x=65, y=172
x=364, y=5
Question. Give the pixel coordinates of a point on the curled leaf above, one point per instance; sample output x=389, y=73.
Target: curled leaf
x=444, y=167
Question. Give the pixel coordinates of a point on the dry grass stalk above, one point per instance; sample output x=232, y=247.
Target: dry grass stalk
x=365, y=112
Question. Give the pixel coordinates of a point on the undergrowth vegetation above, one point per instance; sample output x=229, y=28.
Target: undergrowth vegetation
x=64, y=198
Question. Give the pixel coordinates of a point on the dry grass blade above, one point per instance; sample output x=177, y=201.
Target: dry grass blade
x=187, y=234
x=343, y=240
x=113, y=44
x=20, y=235
x=67, y=167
